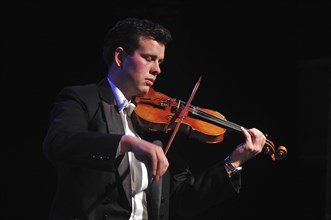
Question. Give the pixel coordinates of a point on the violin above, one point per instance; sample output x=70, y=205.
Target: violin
x=156, y=111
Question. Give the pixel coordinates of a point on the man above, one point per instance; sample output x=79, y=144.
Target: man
x=106, y=170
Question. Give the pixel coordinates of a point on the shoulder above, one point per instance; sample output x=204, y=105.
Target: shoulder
x=81, y=89
x=87, y=90
x=83, y=94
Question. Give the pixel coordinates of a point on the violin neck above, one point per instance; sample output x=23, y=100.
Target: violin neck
x=215, y=120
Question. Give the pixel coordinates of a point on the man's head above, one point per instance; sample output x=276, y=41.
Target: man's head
x=126, y=34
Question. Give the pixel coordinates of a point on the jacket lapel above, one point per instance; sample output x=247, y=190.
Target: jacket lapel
x=155, y=189
x=115, y=125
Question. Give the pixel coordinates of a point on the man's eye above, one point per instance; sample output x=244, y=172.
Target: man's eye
x=149, y=59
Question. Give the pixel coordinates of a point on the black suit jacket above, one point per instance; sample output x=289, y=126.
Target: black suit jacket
x=84, y=131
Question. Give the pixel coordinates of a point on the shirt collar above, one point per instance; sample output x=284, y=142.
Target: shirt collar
x=119, y=96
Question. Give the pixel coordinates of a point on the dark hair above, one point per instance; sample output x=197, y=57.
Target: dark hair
x=126, y=33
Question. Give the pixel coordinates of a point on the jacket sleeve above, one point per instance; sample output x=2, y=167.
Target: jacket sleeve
x=192, y=194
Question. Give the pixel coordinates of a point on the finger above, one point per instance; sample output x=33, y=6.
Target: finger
x=257, y=136
x=162, y=164
x=154, y=165
x=246, y=134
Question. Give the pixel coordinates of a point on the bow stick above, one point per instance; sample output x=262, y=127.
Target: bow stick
x=183, y=112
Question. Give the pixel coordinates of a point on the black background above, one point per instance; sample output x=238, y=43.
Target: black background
x=263, y=64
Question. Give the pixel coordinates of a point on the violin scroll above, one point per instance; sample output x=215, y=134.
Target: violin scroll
x=275, y=153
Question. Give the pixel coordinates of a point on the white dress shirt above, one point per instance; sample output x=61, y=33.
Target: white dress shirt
x=138, y=170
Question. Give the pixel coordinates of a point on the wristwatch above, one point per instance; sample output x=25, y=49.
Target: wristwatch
x=229, y=166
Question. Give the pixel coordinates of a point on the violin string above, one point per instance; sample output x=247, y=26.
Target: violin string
x=195, y=110
x=212, y=118
x=218, y=120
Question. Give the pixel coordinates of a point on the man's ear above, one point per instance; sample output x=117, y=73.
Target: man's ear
x=119, y=56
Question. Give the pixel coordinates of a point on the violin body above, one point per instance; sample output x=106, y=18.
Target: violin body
x=161, y=113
